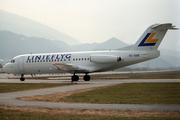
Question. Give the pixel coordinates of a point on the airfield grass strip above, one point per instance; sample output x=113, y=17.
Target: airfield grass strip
x=138, y=75
x=14, y=87
x=24, y=113
x=131, y=93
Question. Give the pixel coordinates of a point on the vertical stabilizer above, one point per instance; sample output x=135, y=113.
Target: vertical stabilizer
x=152, y=37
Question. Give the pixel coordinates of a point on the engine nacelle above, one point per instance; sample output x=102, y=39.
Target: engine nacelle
x=99, y=58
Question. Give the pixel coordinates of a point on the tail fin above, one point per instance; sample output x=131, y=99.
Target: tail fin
x=152, y=37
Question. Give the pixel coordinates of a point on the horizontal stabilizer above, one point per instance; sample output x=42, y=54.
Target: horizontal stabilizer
x=164, y=26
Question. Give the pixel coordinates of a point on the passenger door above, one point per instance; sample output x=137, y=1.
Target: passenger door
x=21, y=63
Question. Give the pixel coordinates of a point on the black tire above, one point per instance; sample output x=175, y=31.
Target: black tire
x=87, y=78
x=75, y=78
x=22, y=79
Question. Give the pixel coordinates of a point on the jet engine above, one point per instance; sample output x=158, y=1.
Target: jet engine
x=99, y=58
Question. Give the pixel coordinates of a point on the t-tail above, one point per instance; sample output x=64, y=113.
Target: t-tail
x=152, y=37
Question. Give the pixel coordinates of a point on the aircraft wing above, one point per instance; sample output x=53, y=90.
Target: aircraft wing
x=65, y=66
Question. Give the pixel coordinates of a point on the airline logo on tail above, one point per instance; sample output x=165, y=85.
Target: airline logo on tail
x=148, y=41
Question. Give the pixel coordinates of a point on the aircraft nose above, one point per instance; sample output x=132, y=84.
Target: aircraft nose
x=6, y=68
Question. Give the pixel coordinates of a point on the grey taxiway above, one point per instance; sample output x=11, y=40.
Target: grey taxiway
x=10, y=99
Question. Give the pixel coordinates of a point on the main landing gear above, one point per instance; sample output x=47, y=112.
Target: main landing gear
x=86, y=77
x=76, y=78
x=73, y=78
x=22, y=77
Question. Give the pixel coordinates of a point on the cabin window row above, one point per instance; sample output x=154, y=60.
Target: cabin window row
x=80, y=59
x=58, y=60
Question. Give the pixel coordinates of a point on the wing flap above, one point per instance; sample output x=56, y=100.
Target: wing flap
x=64, y=66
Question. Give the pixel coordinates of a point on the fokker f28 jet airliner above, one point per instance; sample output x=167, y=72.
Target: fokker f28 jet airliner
x=91, y=61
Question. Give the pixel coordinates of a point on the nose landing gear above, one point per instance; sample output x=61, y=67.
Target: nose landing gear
x=22, y=77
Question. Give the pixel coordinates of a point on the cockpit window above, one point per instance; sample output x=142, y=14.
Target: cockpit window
x=12, y=61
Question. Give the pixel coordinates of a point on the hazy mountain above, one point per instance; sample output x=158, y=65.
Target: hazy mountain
x=30, y=28
x=112, y=43
x=13, y=44
x=171, y=55
x=171, y=41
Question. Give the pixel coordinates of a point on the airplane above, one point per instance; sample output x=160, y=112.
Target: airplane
x=146, y=48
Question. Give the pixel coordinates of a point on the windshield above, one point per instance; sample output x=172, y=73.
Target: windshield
x=12, y=61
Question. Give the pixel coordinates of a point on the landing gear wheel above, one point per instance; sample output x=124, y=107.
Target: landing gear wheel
x=22, y=78
x=75, y=78
x=87, y=78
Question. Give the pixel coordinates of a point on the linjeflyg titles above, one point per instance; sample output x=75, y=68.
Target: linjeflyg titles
x=49, y=57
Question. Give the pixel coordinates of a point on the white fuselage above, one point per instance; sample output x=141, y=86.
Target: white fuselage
x=82, y=62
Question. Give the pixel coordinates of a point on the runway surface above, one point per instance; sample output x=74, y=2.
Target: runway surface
x=9, y=99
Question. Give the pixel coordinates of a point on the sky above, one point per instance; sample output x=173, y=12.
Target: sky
x=98, y=20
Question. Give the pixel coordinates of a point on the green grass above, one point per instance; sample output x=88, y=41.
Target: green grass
x=155, y=75
x=19, y=115
x=30, y=115
x=133, y=93
x=13, y=87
